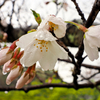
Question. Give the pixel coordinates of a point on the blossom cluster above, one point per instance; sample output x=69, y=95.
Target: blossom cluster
x=40, y=46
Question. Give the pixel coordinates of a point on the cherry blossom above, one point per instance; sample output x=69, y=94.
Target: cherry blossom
x=92, y=42
x=40, y=46
x=54, y=24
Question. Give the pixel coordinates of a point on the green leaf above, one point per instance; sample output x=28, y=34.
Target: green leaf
x=37, y=17
x=32, y=30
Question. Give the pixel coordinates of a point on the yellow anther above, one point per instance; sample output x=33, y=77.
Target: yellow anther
x=41, y=50
x=46, y=50
x=54, y=28
x=46, y=47
x=46, y=42
x=34, y=44
x=37, y=46
x=40, y=47
x=39, y=43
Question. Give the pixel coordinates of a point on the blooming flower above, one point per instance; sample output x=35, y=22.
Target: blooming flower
x=57, y=25
x=40, y=46
x=92, y=42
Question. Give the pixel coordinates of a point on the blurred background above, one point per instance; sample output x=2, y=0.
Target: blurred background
x=16, y=19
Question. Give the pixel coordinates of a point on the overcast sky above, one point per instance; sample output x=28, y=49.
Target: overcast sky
x=44, y=10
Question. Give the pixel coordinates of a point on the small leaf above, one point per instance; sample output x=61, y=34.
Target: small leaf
x=32, y=30
x=37, y=17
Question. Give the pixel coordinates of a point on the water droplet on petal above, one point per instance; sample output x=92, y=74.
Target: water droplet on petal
x=8, y=69
x=4, y=73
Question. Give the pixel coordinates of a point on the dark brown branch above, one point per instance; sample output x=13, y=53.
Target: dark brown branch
x=89, y=77
x=47, y=85
x=84, y=65
x=13, y=4
x=79, y=11
x=95, y=10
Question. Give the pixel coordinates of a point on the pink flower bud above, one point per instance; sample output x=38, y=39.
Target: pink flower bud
x=27, y=77
x=16, y=52
x=12, y=47
x=14, y=73
x=20, y=55
x=9, y=64
x=30, y=79
x=4, y=56
x=23, y=79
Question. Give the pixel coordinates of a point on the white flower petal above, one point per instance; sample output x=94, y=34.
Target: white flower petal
x=94, y=31
x=91, y=52
x=93, y=41
x=31, y=55
x=60, y=25
x=48, y=61
x=25, y=39
x=60, y=32
x=43, y=34
x=57, y=50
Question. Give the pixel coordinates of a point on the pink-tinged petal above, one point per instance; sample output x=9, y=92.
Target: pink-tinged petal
x=48, y=60
x=9, y=64
x=31, y=55
x=14, y=73
x=12, y=47
x=25, y=40
x=91, y=52
x=22, y=80
x=5, y=67
x=30, y=80
x=4, y=57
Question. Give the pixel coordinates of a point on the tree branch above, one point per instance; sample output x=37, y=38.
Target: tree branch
x=79, y=11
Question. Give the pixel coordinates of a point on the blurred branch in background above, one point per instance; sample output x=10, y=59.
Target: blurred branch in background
x=73, y=38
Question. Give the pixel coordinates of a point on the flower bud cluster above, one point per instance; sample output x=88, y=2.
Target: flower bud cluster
x=10, y=59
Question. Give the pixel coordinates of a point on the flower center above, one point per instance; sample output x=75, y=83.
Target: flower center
x=52, y=26
x=41, y=44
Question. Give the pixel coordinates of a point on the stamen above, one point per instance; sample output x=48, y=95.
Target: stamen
x=40, y=47
x=46, y=42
